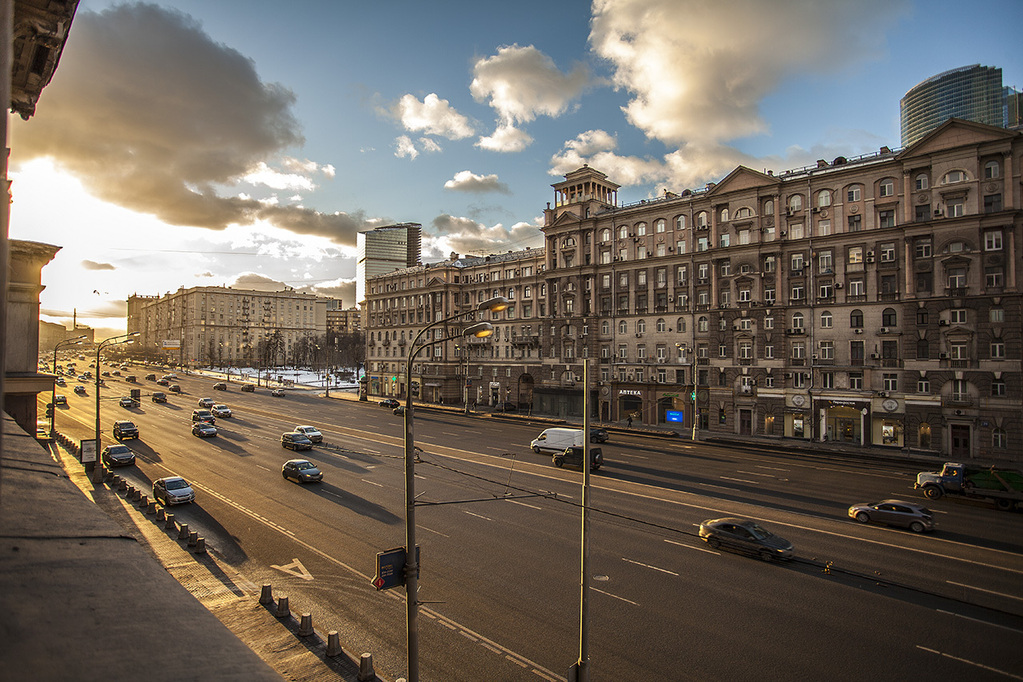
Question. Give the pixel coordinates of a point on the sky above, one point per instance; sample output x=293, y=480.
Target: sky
x=189, y=143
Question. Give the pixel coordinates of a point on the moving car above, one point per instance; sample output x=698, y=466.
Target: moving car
x=80, y=390
x=130, y=378
x=162, y=382
x=894, y=513
x=60, y=381
x=203, y=416
x=118, y=456
x=206, y=402
x=389, y=403
x=174, y=388
x=574, y=457
x=745, y=535
x=248, y=388
x=301, y=471
x=172, y=490
x=204, y=430
x=159, y=397
x=127, y=402
x=60, y=400
x=310, y=432
x=277, y=393
x=598, y=435
x=220, y=386
x=400, y=409
x=125, y=429
x=221, y=411
x=295, y=441
x=152, y=377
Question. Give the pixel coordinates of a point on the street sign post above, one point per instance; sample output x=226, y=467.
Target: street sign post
x=391, y=568
x=88, y=450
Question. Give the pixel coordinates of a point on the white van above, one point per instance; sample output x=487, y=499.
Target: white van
x=556, y=440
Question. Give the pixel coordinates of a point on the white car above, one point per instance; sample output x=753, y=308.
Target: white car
x=221, y=411
x=310, y=432
x=172, y=490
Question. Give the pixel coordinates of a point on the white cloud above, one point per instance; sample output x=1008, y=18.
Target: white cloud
x=434, y=116
x=591, y=142
x=404, y=148
x=506, y=138
x=464, y=236
x=522, y=83
x=429, y=145
x=467, y=181
x=262, y=174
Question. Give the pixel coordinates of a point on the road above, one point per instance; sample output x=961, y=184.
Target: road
x=499, y=529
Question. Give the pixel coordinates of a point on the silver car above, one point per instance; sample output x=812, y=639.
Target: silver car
x=310, y=432
x=172, y=490
x=894, y=513
x=745, y=535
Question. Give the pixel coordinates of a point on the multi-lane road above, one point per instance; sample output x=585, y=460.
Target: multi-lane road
x=499, y=530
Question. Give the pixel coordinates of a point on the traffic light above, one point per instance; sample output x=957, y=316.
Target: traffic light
x=692, y=396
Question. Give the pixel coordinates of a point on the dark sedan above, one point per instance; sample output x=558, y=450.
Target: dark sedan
x=745, y=535
x=598, y=435
x=389, y=403
x=118, y=456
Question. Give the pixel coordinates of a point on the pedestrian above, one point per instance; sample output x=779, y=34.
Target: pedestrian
x=629, y=423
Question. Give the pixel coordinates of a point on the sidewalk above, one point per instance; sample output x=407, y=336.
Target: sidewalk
x=82, y=598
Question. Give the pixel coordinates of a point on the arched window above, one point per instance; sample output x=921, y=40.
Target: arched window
x=640, y=326
x=743, y=212
x=680, y=222
x=701, y=219
x=659, y=226
x=797, y=320
x=886, y=188
x=854, y=193
x=953, y=176
x=640, y=229
x=605, y=327
x=680, y=324
x=827, y=320
x=703, y=324
x=824, y=198
x=796, y=202
x=623, y=327
x=769, y=207
x=724, y=215
x=921, y=181
x=605, y=234
x=889, y=318
x=992, y=169
x=856, y=319
x=661, y=325
x=623, y=231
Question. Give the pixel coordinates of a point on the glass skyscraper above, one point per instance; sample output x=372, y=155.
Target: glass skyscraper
x=973, y=93
x=386, y=249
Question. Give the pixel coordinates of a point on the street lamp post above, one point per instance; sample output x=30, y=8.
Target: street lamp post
x=53, y=394
x=477, y=330
x=97, y=466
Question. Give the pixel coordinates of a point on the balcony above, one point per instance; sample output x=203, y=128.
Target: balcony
x=703, y=361
x=891, y=362
x=745, y=361
x=957, y=400
x=889, y=296
x=959, y=364
x=956, y=292
x=855, y=298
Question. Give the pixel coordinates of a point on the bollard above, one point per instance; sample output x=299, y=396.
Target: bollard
x=123, y=485
x=143, y=501
x=169, y=523
x=193, y=538
x=305, y=626
x=160, y=514
x=266, y=595
x=115, y=479
x=134, y=493
x=282, y=608
x=183, y=532
x=200, y=545
x=333, y=643
x=366, y=673
x=151, y=508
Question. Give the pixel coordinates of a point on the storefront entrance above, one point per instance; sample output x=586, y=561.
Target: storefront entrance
x=959, y=435
x=745, y=422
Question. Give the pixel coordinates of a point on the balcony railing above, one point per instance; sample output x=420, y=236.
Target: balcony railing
x=891, y=362
x=957, y=400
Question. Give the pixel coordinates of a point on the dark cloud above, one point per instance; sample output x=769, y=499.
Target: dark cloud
x=93, y=265
x=151, y=114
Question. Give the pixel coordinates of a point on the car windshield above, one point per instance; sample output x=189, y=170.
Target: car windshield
x=177, y=484
x=126, y=425
x=303, y=466
x=203, y=413
x=220, y=407
x=118, y=450
x=759, y=532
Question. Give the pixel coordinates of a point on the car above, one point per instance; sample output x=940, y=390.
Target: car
x=745, y=535
x=127, y=402
x=130, y=378
x=174, y=388
x=301, y=471
x=80, y=390
x=204, y=430
x=310, y=432
x=116, y=373
x=125, y=429
x=573, y=456
x=105, y=374
x=220, y=386
x=159, y=397
x=295, y=441
x=203, y=416
x=598, y=435
x=277, y=393
x=118, y=456
x=162, y=382
x=206, y=402
x=172, y=376
x=221, y=411
x=152, y=377
x=400, y=409
x=60, y=381
x=172, y=490
x=894, y=513
x=60, y=400
x=389, y=402
x=248, y=388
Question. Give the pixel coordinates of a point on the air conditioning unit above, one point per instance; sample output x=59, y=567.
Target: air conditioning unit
x=639, y=335
x=875, y=356
x=943, y=356
x=839, y=285
x=858, y=331
x=783, y=233
x=882, y=394
x=943, y=323
x=885, y=330
x=959, y=413
x=746, y=389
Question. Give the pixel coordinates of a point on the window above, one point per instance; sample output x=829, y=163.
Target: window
x=724, y=215
x=827, y=379
x=957, y=316
x=999, y=439
x=994, y=276
x=993, y=240
x=922, y=317
x=824, y=228
x=703, y=324
x=799, y=350
x=953, y=176
x=827, y=350
x=701, y=219
x=998, y=388
x=886, y=218
x=623, y=327
x=795, y=203
x=853, y=193
x=921, y=181
x=768, y=323
x=797, y=321
x=769, y=264
x=798, y=292
x=922, y=213
x=659, y=225
x=856, y=319
x=641, y=229
x=887, y=252
x=998, y=349
x=743, y=212
x=889, y=318
x=855, y=255
x=923, y=386
x=956, y=278
x=769, y=207
x=796, y=263
x=854, y=223
x=992, y=203
x=886, y=188
x=827, y=320
x=659, y=250
x=996, y=315
x=605, y=235
x=856, y=380
x=891, y=382
x=824, y=198
x=922, y=248
x=623, y=231
x=725, y=240
x=680, y=246
x=703, y=243
x=956, y=208
x=923, y=349
x=769, y=351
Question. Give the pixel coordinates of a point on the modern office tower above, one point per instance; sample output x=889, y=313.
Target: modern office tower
x=973, y=93
x=385, y=249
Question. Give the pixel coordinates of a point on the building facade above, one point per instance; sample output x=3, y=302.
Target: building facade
x=343, y=321
x=385, y=249
x=224, y=326
x=872, y=301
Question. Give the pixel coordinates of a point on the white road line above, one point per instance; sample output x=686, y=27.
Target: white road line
x=615, y=596
x=263, y=467
x=652, y=568
x=445, y=535
x=523, y=504
x=719, y=487
x=977, y=620
x=698, y=549
x=969, y=662
x=740, y=480
x=366, y=480
x=981, y=589
x=761, y=466
x=478, y=516
x=756, y=473
x=333, y=495
x=448, y=433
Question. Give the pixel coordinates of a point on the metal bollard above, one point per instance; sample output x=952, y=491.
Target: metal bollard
x=131, y=492
x=200, y=545
x=283, y=611
x=123, y=485
x=143, y=501
x=160, y=514
x=333, y=643
x=183, y=532
x=305, y=626
x=266, y=595
x=193, y=538
x=169, y=524
x=366, y=673
x=151, y=508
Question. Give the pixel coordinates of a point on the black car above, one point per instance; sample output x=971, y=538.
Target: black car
x=248, y=388
x=220, y=386
x=174, y=388
x=203, y=416
x=745, y=535
x=118, y=456
x=79, y=390
x=125, y=429
x=301, y=471
x=598, y=435
x=390, y=403
x=162, y=382
x=574, y=457
x=159, y=397
x=295, y=441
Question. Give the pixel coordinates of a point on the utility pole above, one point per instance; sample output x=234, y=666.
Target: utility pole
x=580, y=670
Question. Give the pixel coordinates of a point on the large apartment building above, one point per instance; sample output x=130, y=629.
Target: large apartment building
x=873, y=300
x=223, y=325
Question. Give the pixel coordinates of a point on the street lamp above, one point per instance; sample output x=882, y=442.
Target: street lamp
x=478, y=330
x=97, y=466
x=53, y=394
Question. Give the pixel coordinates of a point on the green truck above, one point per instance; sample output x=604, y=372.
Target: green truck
x=1003, y=487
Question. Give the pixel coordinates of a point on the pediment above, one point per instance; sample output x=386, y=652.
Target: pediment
x=953, y=133
x=743, y=178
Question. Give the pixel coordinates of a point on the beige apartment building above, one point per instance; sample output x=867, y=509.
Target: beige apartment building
x=871, y=300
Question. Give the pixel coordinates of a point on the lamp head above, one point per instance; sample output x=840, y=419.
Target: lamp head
x=480, y=330
x=494, y=305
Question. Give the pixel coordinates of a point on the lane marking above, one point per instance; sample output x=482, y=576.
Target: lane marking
x=977, y=620
x=981, y=589
x=523, y=504
x=366, y=480
x=445, y=535
x=652, y=568
x=260, y=466
x=615, y=596
x=761, y=466
x=295, y=568
x=755, y=473
x=478, y=516
x=698, y=549
x=969, y=662
x=740, y=480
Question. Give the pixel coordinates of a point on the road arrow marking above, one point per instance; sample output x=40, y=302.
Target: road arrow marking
x=296, y=569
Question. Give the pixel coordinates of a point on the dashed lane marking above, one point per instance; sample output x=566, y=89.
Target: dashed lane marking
x=652, y=568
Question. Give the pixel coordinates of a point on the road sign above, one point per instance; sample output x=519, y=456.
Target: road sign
x=88, y=450
x=391, y=568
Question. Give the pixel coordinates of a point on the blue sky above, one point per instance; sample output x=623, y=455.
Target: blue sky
x=199, y=142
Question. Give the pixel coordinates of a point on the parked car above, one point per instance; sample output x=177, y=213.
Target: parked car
x=127, y=402
x=118, y=456
x=172, y=490
x=301, y=471
x=310, y=432
x=206, y=402
x=80, y=390
x=60, y=400
x=248, y=388
x=745, y=535
x=203, y=416
x=894, y=513
x=277, y=393
x=221, y=411
x=105, y=374
x=204, y=430
x=125, y=429
x=159, y=397
x=174, y=388
x=220, y=386
x=116, y=373
x=295, y=441
x=573, y=456
x=389, y=403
